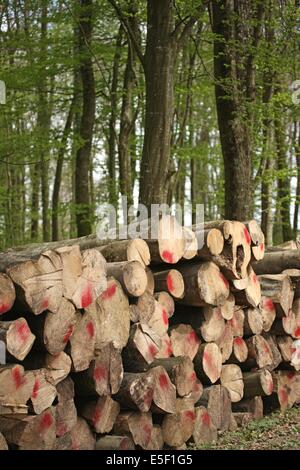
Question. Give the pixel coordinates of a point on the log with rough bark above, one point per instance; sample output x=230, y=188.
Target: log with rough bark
x=104, y=375
x=216, y=400
x=137, y=425
x=16, y=385
x=17, y=337
x=170, y=281
x=250, y=405
x=225, y=342
x=277, y=262
x=208, y=363
x=204, y=284
x=112, y=442
x=278, y=287
x=178, y=427
x=204, y=431
x=232, y=379
x=184, y=341
x=253, y=323
x=131, y=275
x=251, y=295
x=7, y=293
x=257, y=383
x=259, y=353
x=111, y=316
x=136, y=391
x=101, y=414
x=142, y=347
x=30, y=432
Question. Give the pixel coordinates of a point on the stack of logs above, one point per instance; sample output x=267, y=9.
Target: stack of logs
x=146, y=343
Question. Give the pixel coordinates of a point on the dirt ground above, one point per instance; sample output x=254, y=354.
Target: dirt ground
x=275, y=431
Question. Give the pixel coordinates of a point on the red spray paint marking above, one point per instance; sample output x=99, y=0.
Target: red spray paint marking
x=165, y=317
x=163, y=381
x=46, y=422
x=75, y=443
x=290, y=375
x=239, y=341
x=23, y=331
x=262, y=246
x=169, y=350
x=226, y=283
x=267, y=349
x=283, y=396
x=268, y=304
x=190, y=415
x=233, y=322
x=45, y=304
x=17, y=377
x=192, y=337
x=109, y=292
x=293, y=350
x=61, y=429
x=254, y=278
x=152, y=350
x=124, y=444
x=247, y=236
x=36, y=388
x=270, y=387
x=96, y=416
x=167, y=256
x=100, y=373
x=207, y=358
x=87, y=298
x=205, y=418
x=4, y=308
x=90, y=329
x=297, y=332
x=68, y=334
x=170, y=282
x=193, y=377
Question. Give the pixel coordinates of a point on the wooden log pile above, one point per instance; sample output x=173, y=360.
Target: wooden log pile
x=146, y=343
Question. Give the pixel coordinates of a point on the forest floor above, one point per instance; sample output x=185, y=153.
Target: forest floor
x=274, y=432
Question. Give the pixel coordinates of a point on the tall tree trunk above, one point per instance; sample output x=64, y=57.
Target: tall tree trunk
x=83, y=156
x=159, y=75
x=297, y=200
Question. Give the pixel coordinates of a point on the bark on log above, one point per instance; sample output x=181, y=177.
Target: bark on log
x=276, y=262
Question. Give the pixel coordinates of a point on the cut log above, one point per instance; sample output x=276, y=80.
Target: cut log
x=196, y=392
x=126, y=250
x=115, y=443
x=171, y=241
x=131, y=275
x=208, y=363
x=181, y=373
x=225, y=342
x=251, y=295
x=259, y=352
x=166, y=349
x=30, y=432
x=59, y=327
x=111, y=315
x=3, y=443
x=278, y=288
x=66, y=417
x=101, y=414
x=136, y=391
x=257, y=239
x=285, y=345
x=178, y=427
x=7, y=293
x=190, y=243
x=216, y=400
x=239, y=351
x=142, y=346
x=138, y=426
x=227, y=309
x=17, y=337
x=214, y=325
x=82, y=436
x=184, y=341
x=277, y=359
x=83, y=341
x=250, y=405
x=153, y=313
x=275, y=263
x=157, y=439
x=284, y=325
x=204, y=284
x=59, y=366
x=232, y=379
x=204, y=431
x=166, y=301
x=210, y=242
x=150, y=281
x=16, y=385
x=258, y=383
x=164, y=396
x=268, y=312
x=237, y=322
x=171, y=281
x=253, y=324
x=44, y=390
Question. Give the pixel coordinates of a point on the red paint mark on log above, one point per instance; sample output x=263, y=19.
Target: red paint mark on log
x=149, y=397
x=68, y=334
x=152, y=350
x=238, y=341
x=97, y=415
x=75, y=443
x=109, y=292
x=124, y=444
x=297, y=332
x=4, y=308
x=45, y=304
x=46, y=422
x=87, y=298
x=192, y=337
x=170, y=282
x=61, y=429
x=193, y=377
x=290, y=375
x=267, y=348
x=283, y=396
x=247, y=236
x=167, y=256
x=226, y=283
x=254, y=277
x=190, y=415
x=205, y=418
x=268, y=305
x=90, y=328
x=100, y=373
x=36, y=388
x=163, y=381
x=262, y=247
x=293, y=350
x=169, y=349
x=23, y=331
x=270, y=387
x=17, y=377
x=165, y=317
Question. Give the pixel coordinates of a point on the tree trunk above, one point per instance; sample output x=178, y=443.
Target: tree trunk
x=297, y=201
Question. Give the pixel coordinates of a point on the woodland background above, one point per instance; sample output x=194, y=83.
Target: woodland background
x=157, y=100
